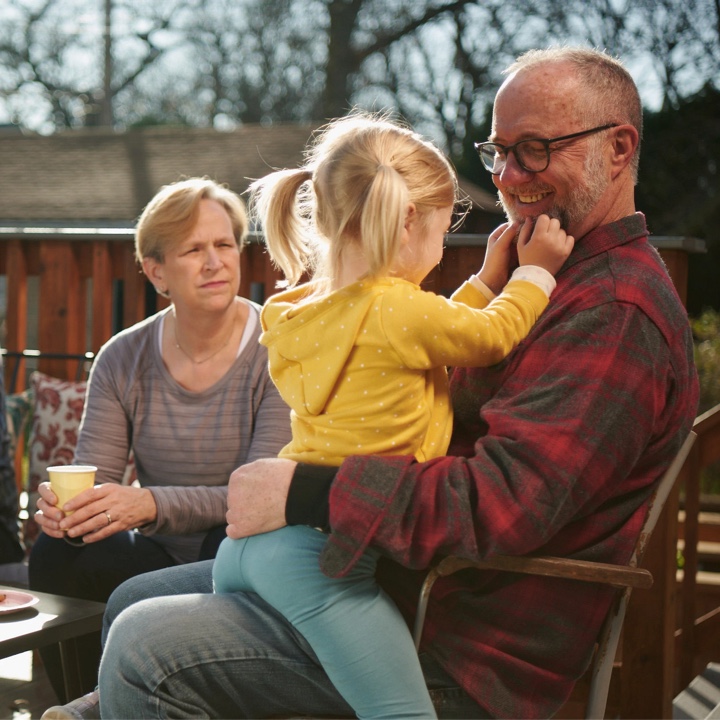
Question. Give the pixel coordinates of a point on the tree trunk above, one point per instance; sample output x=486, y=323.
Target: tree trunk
x=342, y=60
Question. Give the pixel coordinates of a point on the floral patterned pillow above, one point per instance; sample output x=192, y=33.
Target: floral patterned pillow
x=53, y=435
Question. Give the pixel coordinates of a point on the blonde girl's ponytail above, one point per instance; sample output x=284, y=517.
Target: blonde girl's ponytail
x=383, y=218
x=281, y=205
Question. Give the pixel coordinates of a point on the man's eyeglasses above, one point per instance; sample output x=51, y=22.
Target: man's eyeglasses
x=532, y=155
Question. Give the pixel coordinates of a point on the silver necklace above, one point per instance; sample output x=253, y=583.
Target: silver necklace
x=209, y=357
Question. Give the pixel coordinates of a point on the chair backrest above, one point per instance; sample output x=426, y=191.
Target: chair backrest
x=16, y=359
x=610, y=633
x=621, y=576
x=660, y=496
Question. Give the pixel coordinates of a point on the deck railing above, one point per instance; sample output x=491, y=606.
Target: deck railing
x=89, y=285
x=698, y=638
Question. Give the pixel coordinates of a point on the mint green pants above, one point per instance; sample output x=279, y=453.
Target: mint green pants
x=355, y=629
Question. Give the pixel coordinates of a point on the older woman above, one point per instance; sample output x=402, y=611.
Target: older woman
x=188, y=391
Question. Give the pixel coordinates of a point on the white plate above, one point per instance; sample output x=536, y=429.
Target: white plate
x=16, y=600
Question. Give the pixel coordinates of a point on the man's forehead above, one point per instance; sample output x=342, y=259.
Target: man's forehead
x=538, y=102
x=540, y=85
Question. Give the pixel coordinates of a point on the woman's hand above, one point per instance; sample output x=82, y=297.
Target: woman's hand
x=48, y=515
x=257, y=494
x=495, y=270
x=97, y=513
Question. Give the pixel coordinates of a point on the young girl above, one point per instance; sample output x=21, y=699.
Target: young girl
x=360, y=354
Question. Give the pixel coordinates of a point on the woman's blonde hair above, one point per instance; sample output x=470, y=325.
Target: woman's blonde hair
x=171, y=215
x=360, y=174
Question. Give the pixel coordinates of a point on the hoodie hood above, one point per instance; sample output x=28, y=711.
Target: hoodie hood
x=310, y=341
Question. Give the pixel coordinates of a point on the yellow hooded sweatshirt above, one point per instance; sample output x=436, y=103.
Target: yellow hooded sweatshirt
x=363, y=369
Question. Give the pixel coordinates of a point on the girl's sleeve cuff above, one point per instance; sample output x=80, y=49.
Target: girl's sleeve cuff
x=537, y=276
x=477, y=283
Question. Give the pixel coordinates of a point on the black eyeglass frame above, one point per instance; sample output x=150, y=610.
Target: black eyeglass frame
x=546, y=142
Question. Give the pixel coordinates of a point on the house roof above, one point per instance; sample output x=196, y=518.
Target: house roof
x=96, y=175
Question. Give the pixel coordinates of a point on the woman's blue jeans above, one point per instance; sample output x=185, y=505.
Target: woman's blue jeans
x=355, y=629
x=175, y=649
x=92, y=572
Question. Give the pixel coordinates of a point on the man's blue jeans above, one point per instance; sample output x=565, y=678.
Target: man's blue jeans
x=174, y=649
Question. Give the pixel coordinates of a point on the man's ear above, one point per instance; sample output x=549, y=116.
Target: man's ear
x=624, y=144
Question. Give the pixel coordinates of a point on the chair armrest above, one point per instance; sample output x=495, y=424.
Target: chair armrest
x=584, y=570
x=621, y=575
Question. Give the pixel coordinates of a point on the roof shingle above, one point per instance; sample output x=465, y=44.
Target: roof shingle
x=100, y=175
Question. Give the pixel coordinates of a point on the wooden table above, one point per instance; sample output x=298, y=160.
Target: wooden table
x=55, y=619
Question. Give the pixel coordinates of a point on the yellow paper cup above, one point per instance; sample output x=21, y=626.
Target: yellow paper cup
x=67, y=481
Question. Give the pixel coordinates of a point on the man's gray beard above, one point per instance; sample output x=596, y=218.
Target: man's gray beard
x=581, y=201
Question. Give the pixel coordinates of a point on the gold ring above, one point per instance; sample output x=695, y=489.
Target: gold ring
x=107, y=515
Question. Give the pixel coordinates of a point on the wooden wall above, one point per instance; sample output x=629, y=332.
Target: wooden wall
x=89, y=285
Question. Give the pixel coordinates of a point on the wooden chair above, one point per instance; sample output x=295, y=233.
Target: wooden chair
x=625, y=577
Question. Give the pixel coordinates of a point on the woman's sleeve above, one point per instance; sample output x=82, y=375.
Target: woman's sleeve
x=186, y=510
x=271, y=424
x=104, y=437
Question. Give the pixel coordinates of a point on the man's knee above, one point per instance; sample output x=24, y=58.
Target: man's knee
x=132, y=632
x=126, y=594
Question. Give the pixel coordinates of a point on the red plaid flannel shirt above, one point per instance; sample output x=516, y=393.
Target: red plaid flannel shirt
x=554, y=451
